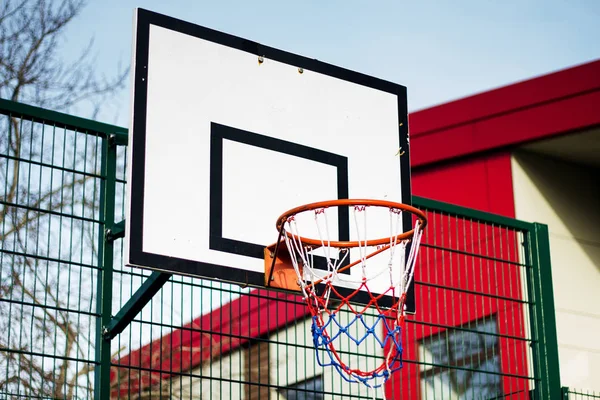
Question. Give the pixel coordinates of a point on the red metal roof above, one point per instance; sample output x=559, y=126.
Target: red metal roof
x=549, y=105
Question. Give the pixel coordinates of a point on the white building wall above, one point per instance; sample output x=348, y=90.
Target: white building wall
x=228, y=368
x=566, y=197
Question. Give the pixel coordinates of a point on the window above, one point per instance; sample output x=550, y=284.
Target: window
x=310, y=389
x=462, y=363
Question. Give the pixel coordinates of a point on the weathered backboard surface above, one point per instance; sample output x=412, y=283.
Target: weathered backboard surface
x=227, y=134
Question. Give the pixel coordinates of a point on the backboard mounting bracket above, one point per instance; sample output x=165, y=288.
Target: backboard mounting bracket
x=279, y=272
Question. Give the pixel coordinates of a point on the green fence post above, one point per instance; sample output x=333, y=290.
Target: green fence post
x=105, y=272
x=537, y=344
x=545, y=318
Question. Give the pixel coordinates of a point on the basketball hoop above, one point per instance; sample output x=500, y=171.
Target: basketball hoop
x=377, y=269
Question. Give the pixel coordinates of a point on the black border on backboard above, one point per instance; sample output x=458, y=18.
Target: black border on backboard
x=218, y=133
x=145, y=18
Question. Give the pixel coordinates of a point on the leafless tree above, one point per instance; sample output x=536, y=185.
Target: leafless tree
x=32, y=68
x=38, y=289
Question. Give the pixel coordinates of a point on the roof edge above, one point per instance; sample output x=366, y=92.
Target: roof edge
x=529, y=93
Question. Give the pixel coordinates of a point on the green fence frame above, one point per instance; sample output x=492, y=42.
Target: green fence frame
x=110, y=323
x=576, y=394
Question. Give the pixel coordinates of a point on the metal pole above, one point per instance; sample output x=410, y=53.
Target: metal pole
x=546, y=317
x=105, y=272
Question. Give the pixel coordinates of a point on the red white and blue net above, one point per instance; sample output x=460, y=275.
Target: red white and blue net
x=381, y=273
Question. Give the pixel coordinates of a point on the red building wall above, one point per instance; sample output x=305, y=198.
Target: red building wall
x=482, y=182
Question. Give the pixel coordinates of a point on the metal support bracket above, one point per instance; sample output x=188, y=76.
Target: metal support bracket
x=117, y=231
x=117, y=139
x=135, y=304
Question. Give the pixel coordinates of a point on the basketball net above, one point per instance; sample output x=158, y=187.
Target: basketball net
x=392, y=272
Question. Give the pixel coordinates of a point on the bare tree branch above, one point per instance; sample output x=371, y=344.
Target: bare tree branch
x=34, y=211
x=31, y=69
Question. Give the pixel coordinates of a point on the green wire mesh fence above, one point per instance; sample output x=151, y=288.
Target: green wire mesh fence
x=78, y=324
x=51, y=179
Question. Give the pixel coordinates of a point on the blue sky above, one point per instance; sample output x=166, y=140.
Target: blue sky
x=441, y=50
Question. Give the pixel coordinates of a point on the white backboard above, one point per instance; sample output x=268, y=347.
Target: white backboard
x=227, y=134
